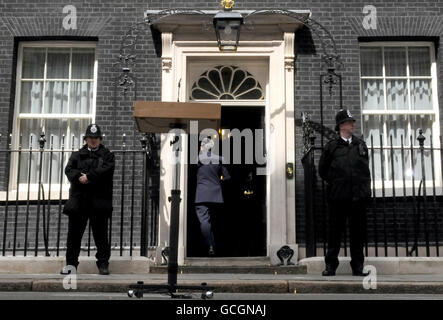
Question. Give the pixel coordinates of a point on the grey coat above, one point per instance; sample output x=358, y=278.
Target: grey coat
x=208, y=179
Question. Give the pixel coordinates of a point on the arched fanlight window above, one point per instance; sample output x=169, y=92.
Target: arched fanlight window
x=226, y=83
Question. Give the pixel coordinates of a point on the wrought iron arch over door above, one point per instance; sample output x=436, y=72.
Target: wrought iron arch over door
x=226, y=82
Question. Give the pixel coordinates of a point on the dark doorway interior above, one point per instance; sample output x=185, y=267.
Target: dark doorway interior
x=240, y=226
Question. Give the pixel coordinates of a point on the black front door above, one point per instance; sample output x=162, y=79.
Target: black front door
x=240, y=225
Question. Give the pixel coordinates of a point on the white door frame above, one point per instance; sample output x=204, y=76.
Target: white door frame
x=279, y=128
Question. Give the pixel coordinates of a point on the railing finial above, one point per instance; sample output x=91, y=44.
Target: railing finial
x=421, y=138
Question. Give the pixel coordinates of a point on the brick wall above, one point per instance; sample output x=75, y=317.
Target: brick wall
x=107, y=21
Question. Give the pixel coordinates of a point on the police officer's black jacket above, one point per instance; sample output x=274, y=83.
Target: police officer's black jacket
x=345, y=168
x=96, y=196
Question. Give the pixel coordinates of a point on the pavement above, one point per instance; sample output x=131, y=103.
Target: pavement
x=231, y=283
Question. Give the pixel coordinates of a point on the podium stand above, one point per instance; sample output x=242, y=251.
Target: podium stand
x=162, y=117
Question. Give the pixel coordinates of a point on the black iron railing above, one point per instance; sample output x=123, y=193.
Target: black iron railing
x=404, y=216
x=35, y=189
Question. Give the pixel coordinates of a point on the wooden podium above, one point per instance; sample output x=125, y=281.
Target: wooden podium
x=162, y=117
x=159, y=117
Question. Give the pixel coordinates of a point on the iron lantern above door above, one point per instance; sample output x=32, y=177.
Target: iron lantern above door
x=227, y=26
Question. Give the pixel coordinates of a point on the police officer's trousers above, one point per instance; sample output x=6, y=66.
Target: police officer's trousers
x=76, y=228
x=355, y=213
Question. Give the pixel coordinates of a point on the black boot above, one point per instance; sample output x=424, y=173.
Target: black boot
x=357, y=269
x=358, y=272
x=103, y=269
x=329, y=271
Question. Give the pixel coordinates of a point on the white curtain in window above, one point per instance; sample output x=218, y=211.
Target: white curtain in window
x=31, y=97
x=373, y=95
x=30, y=133
x=397, y=127
x=55, y=129
x=82, y=91
x=373, y=126
x=397, y=62
x=421, y=94
x=81, y=97
x=423, y=122
x=397, y=130
x=80, y=80
x=397, y=94
x=56, y=97
x=78, y=129
x=373, y=129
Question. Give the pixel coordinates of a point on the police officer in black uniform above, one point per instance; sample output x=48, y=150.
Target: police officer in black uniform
x=344, y=165
x=208, y=195
x=90, y=172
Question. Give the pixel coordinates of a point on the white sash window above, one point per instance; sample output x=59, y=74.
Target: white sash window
x=55, y=94
x=399, y=97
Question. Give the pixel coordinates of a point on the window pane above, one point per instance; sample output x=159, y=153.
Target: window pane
x=373, y=95
x=373, y=128
x=423, y=122
x=371, y=62
x=31, y=97
x=30, y=129
x=375, y=168
x=407, y=170
x=58, y=63
x=254, y=94
x=419, y=61
x=394, y=165
x=397, y=94
x=395, y=61
x=56, y=97
x=81, y=97
x=55, y=129
x=83, y=63
x=54, y=63
x=421, y=94
x=397, y=127
x=33, y=63
x=372, y=125
x=78, y=129
x=418, y=168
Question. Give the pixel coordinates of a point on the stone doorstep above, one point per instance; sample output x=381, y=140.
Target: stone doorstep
x=53, y=265
x=134, y=265
x=296, y=269
x=227, y=262
x=235, y=286
x=383, y=265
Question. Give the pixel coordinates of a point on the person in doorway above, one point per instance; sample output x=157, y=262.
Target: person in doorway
x=90, y=172
x=208, y=197
x=344, y=165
